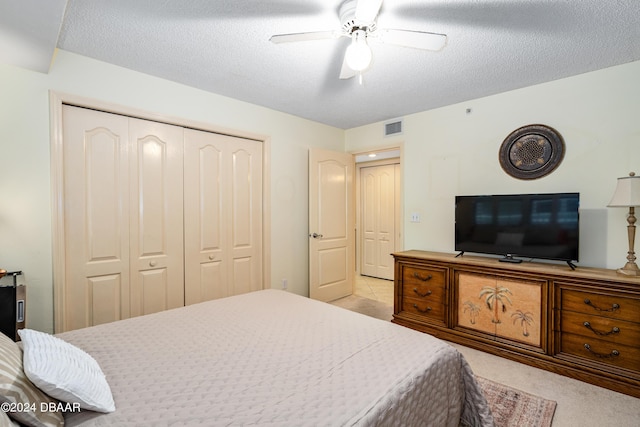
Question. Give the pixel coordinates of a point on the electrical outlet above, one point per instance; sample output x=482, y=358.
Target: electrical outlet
x=285, y=284
x=415, y=217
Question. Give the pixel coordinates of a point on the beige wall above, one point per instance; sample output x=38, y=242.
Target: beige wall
x=448, y=152
x=25, y=184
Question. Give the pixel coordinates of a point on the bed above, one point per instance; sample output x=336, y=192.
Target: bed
x=272, y=358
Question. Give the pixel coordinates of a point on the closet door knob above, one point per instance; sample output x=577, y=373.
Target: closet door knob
x=212, y=257
x=153, y=263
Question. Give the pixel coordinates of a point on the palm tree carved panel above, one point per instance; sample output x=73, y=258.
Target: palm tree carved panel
x=503, y=307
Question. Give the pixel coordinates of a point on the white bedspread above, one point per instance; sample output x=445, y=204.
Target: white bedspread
x=272, y=358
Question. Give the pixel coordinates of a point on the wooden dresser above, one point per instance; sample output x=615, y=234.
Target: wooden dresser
x=582, y=323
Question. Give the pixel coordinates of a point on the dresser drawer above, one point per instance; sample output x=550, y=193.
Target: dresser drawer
x=601, y=328
x=432, y=291
x=601, y=304
x=424, y=292
x=431, y=309
x=601, y=351
x=421, y=277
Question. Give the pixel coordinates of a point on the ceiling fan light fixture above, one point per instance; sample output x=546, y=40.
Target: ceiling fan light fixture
x=358, y=20
x=358, y=54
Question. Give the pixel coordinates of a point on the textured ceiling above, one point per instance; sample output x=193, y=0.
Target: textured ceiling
x=29, y=32
x=223, y=47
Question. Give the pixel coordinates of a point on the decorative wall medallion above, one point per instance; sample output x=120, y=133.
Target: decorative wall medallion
x=531, y=152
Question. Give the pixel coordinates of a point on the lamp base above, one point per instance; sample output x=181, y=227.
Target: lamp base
x=629, y=269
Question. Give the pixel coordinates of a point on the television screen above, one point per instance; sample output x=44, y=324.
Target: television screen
x=543, y=226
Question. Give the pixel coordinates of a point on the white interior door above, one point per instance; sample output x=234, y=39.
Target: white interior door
x=128, y=217
x=377, y=184
x=223, y=216
x=245, y=215
x=123, y=217
x=96, y=226
x=156, y=244
x=331, y=225
x=206, y=261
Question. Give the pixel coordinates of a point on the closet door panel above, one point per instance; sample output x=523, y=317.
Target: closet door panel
x=96, y=226
x=156, y=161
x=223, y=216
x=243, y=275
x=378, y=220
x=153, y=286
x=368, y=182
x=212, y=280
x=105, y=296
x=245, y=215
x=206, y=191
x=386, y=221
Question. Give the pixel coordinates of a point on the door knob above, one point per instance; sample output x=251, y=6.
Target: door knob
x=315, y=235
x=152, y=263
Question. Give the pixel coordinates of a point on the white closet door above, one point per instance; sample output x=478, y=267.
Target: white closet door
x=156, y=221
x=378, y=220
x=368, y=186
x=244, y=220
x=223, y=216
x=206, y=161
x=135, y=229
x=96, y=227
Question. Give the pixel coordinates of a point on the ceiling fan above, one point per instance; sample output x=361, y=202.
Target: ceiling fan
x=358, y=19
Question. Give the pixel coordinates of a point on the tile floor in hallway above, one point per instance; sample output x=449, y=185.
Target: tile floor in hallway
x=374, y=288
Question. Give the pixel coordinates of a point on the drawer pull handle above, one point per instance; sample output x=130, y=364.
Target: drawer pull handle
x=614, y=330
x=614, y=353
x=614, y=306
x=421, y=294
x=424, y=279
x=428, y=309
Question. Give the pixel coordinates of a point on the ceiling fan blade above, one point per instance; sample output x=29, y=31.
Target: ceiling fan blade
x=346, y=72
x=367, y=11
x=302, y=37
x=414, y=39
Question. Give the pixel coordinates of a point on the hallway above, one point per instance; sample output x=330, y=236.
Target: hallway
x=375, y=289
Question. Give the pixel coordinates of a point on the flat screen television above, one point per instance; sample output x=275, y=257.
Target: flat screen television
x=541, y=226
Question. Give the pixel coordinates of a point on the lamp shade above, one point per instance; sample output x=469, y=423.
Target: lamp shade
x=627, y=192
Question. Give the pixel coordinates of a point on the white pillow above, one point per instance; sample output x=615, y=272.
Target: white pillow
x=65, y=372
x=19, y=392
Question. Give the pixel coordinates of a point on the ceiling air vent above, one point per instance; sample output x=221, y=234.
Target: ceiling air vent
x=393, y=128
